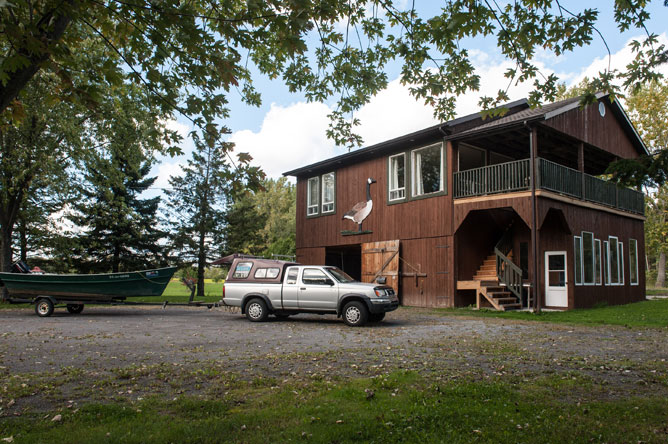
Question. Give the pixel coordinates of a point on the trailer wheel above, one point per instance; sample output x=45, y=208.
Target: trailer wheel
x=75, y=308
x=44, y=307
x=355, y=314
x=256, y=310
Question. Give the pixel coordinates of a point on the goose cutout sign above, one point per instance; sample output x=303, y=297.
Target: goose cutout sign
x=360, y=211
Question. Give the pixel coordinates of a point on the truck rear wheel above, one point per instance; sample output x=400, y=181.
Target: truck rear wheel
x=256, y=310
x=355, y=314
x=44, y=307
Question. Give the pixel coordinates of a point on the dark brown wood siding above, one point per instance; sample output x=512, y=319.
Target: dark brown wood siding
x=586, y=124
x=552, y=237
x=414, y=219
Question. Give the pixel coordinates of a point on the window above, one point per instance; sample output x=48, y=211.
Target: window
x=397, y=182
x=577, y=252
x=242, y=270
x=427, y=170
x=606, y=263
x=613, y=257
x=316, y=201
x=621, y=263
x=312, y=196
x=633, y=261
x=588, y=257
x=291, y=275
x=313, y=276
x=597, y=260
x=328, y=187
x=266, y=273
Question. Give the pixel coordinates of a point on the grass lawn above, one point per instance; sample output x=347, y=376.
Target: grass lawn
x=657, y=292
x=639, y=314
x=398, y=407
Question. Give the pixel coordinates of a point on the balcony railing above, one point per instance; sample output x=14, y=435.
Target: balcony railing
x=515, y=176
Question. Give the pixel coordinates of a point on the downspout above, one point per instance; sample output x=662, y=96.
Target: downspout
x=534, y=215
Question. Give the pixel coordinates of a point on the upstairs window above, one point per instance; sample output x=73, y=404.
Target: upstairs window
x=427, y=170
x=321, y=195
x=397, y=182
x=328, y=187
x=312, y=196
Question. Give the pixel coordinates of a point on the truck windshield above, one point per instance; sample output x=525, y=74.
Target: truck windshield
x=339, y=275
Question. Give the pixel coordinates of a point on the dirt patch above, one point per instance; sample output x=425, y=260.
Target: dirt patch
x=111, y=353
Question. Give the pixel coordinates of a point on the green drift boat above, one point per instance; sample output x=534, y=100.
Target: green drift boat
x=88, y=287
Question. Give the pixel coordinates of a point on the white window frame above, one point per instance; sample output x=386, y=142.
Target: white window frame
x=390, y=190
x=577, y=240
x=606, y=263
x=312, y=210
x=621, y=262
x=619, y=267
x=322, y=195
x=598, y=271
x=414, y=175
x=635, y=246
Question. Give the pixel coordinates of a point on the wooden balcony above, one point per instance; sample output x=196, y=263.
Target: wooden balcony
x=515, y=176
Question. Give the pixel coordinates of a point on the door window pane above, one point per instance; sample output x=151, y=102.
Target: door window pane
x=557, y=278
x=397, y=177
x=314, y=276
x=427, y=170
x=291, y=277
x=328, y=190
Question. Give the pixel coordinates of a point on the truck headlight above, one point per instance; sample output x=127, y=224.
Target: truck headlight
x=380, y=292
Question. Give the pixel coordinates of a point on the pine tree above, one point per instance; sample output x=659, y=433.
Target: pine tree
x=198, y=200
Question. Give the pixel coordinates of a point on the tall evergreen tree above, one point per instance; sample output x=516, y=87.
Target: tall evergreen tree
x=198, y=199
x=119, y=227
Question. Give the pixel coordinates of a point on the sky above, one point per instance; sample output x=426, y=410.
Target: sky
x=286, y=132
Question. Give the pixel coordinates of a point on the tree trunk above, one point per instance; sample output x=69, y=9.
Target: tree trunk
x=23, y=240
x=201, y=264
x=5, y=256
x=115, y=264
x=661, y=269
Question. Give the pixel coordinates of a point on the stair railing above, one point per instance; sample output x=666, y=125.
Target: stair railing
x=508, y=273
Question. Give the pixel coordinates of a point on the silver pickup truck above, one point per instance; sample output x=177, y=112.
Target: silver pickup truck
x=262, y=287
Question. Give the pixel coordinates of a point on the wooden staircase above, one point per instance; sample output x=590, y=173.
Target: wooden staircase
x=488, y=287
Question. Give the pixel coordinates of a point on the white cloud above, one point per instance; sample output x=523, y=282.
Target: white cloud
x=290, y=136
x=617, y=60
x=182, y=129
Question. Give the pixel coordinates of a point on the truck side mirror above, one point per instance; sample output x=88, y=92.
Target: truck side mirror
x=329, y=282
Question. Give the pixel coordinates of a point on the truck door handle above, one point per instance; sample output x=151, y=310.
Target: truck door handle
x=303, y=288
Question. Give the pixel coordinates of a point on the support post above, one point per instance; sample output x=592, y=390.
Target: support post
x=533, y=148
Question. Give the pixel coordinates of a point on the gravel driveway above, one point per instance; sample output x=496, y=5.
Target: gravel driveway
x=116, y=343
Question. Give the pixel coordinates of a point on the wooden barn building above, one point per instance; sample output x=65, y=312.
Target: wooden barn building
x=490, y=212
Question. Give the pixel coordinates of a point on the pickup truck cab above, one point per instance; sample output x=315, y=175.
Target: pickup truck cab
x=261, y=287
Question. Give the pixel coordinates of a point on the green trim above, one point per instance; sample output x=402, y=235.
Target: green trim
x=353, y=232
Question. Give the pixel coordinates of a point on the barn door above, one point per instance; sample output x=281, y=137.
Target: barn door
x=380, y=261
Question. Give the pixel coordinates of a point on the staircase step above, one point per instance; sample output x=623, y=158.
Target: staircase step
x=505, y=300
x=511, y=306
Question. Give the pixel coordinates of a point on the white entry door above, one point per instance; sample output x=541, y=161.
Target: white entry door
x=556, y=288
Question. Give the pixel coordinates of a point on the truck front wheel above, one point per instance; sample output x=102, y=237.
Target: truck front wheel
x=355, y=314
x=256, y=310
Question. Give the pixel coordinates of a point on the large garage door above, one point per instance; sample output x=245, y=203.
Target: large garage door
x=380, y=261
